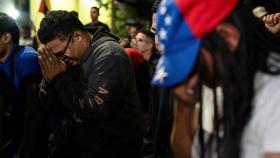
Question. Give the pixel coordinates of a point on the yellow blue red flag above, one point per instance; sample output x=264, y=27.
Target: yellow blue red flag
x=45, y=6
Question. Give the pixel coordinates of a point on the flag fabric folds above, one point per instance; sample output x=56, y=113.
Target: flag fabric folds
x=181, y=24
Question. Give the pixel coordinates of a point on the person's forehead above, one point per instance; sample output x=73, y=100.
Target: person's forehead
x=93, y=10
x=139, y=34
x=142, y=35
x=55, y=45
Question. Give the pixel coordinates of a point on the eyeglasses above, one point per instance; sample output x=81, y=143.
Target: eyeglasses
x=153, y=30
x=60, y=55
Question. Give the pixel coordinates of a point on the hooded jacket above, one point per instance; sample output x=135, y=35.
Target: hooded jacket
x=101, y=93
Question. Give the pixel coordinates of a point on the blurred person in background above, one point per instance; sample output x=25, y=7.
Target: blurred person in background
x=26, y=38
x=143, y=78
x=145, y=44
x=94, y=14
x=21, y=118
x=133, y=30
x=161, y=112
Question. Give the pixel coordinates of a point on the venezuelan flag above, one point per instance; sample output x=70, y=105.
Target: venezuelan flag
x=45, y=6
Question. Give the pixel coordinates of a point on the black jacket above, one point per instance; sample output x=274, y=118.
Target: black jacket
x=102, y=95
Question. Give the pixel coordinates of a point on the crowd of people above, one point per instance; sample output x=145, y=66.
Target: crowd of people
x=189, y=86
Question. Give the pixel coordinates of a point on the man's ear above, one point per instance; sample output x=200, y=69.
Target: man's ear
x=78, y=35
x=6, y=38
x=230, y=34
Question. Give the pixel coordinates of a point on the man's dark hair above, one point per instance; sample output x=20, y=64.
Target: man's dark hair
x=148, y=33
x=155, y=6
x=8, y=24
x=96, y=8
x=75, y=13
x=137, y=25
x=58, y=24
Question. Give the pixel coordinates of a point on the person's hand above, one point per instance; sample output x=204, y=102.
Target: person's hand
x=187, y=92
x=272, y=23
x=50, y=65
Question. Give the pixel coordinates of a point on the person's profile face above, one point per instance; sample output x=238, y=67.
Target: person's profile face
x=143, y=43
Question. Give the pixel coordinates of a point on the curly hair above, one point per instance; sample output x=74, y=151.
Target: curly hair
x=58, y=24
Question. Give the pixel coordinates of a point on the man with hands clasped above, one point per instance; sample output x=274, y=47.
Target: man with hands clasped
x=89, y=82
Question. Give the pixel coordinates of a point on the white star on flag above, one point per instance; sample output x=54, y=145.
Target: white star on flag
x=163, y=2
x=167, y=20
x=160, y=75
x=162, y=10
x=162, y=34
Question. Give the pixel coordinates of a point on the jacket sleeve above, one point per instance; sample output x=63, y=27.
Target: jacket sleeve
x=99, y=96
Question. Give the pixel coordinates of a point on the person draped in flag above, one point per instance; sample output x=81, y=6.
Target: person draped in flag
x=220, y=43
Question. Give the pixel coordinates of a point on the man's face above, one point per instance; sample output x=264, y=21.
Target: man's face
x=143, y=43
x=94, y=14
x=64, y=50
